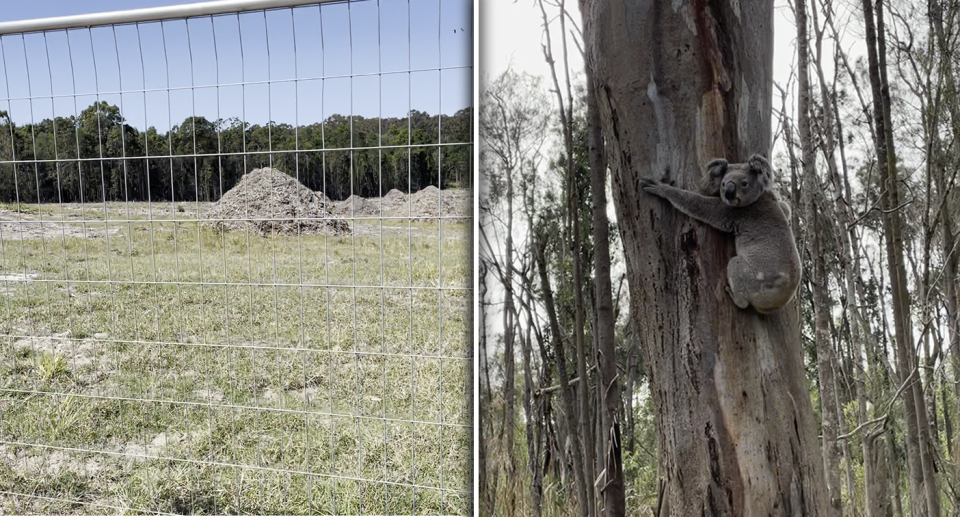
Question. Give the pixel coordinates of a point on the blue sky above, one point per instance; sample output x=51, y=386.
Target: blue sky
x=342, y=58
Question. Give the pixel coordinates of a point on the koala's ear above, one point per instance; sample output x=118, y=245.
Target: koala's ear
x=710, y=182
x=717, y=167
x=760, y=166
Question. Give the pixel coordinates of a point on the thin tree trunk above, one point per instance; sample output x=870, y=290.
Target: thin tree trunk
x=611, y=485
x=533, y=455
x=953, y=323
x=876, y=481
x=677, y=85
x=821, y=298
x=585, y=436
x=509, y=360
x=951, y=265
x=915, y=474
x=566, y=392
x=892, y=469
x=947, y=422
x=876, y=486
x=542, y=410
x=632, y=356
x=879, y=448
x=487, y=499
x=924, y=500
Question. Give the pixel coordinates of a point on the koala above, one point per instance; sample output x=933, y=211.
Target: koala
x=739, y=198
x=716, y=169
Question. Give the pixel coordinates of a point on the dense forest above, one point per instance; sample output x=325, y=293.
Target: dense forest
x=616, y=375
x=98, y=156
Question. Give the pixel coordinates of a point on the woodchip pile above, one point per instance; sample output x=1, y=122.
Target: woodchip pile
x=269, y=201
x=423, y=205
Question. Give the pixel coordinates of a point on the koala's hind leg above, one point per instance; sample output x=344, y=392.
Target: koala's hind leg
x=742, y=282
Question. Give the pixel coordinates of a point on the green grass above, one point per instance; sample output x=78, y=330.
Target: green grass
x=225, y=372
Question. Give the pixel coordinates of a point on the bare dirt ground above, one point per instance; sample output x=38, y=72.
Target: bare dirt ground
x=23, y=226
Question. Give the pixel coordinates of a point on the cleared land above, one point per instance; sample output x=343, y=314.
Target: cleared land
x=152, y=363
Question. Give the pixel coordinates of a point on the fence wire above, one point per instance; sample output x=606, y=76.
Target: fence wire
x=234, y=270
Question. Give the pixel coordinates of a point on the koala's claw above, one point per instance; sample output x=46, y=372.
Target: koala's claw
x=648, y=184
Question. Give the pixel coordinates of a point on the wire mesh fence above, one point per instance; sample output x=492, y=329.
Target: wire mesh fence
x=234, y=270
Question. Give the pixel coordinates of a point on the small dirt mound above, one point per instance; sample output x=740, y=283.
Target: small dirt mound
x=431, y=202
x=268, y=201
x=395, y=203
x=356, y=206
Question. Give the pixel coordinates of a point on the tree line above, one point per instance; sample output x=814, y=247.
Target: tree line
x=98, y=156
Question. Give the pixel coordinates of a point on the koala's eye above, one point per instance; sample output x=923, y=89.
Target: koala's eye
x=743, y=183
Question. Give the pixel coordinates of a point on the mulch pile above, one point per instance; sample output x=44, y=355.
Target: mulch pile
x=269, y=201
x=432, y=202
x=356, y=206
x=395, y=203
x=422, y=205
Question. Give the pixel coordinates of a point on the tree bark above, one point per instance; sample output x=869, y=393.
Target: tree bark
x=533, y=452
x=611, y=485
x=633, y=355
x=878, y=503
x=487, y=498
x=509, y=359
x=679, y=84
x=814, y=235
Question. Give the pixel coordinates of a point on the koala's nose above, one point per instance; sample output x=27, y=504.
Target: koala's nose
x=730, y=191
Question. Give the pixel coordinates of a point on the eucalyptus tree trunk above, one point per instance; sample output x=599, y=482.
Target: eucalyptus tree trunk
x=633, y=357
x=585, y=437
x=611, y=485
x=937, y=11
x=886, y=484
x=679, y=84
x=533, y=451
x=876, y=482
x=815, y=229
x=924, y=499
x=566, y=391
x=509, y=358
x=487, y=497
x=953, y=323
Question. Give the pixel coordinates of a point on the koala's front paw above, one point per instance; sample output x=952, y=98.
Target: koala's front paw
x=647, y=183
x=651, y=186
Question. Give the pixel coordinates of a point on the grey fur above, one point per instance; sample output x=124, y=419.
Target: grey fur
x=740, y=199
x=710, y=182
